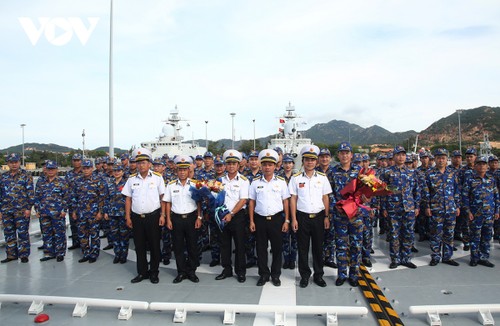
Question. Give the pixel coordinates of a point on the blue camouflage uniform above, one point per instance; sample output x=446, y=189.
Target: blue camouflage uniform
x=16, y=197
x=422, y=221
x=250, y=240
x=441, y=194
x=87, y=198
x=329, y=242
x=400, y=207
x=71, y=177
x=349, y=232
x=51, y=199
x=289, y=237
x=114, y=206
x=481, y=199
x=496, y=175
x=462, y=226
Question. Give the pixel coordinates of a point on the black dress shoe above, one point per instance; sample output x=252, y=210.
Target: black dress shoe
x=292, y=265
x=60, y=258
x=434, y=262
x=466, y=247
x=413, y=249
x=276, y=281
x=154, y=279
x=455, y=248
x=46, y=258
x=393, y=265
x=286, y=265
x=166, y=261
x=83, y=260
x=409, y=264
x=193, y=278
x=41, y=247
x=24, y=260
x=339, y=281
x=214, y=263
x=330, y=264
x=473, y=263
x=262, y=280
x=485, y=262
x=123, y=260
x=139, y=278
x=451, y=262
x=223, y=275
x=367, y=262
x=319, y=281
x=354, y=283
x=75, y=246
x=304, y=282
x=372, y=251
x=92, y=260
x=109, y=246
x=116, y=260
x=242, y=278
x=6, y=260
x=179, y=278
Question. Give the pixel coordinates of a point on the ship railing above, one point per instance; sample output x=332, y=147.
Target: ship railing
x=181, y=310
x=433, y=311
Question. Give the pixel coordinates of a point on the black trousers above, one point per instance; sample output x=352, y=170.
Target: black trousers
x=310, y=230
x=185, y=238
x=234, y=230
x=268, y=229
x=147, y=230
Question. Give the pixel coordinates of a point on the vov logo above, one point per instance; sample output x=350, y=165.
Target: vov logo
x=58, y=30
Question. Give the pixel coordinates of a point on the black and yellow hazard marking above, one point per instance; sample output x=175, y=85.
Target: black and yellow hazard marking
x=380, y=306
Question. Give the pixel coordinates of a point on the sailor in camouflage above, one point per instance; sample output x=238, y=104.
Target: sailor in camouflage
x=324, y=160
x=462, y=227
x=481, y=202
x=52, y=196
x=349, y=232
x=87, y=198
x=289, y=237
x=71, y=177
x=441, y=201
x=401, y=207
x=16, y=198
x=115, y=213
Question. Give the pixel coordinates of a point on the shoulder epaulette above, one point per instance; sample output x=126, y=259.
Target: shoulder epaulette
x=243, y=177
x=172, y=182
x=257, y=178
x=133, y=175
x=320, y=173
x=297, y=174
x=280, y=178
x=158, y=174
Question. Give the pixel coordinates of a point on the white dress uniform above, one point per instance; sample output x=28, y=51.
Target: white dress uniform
x=269, y=217
x=310, y=217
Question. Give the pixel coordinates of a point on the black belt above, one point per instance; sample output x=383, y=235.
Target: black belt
x=269, y=217
x=147, y=214
x=312, y=215
x=184, y=215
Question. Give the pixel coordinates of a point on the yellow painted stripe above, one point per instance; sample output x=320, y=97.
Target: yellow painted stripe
x=376, y=307
x=382, y=298
x=362, y=282
x=375, y=286
x=369, y=276
x=384, y=322
x=368, y=295
x=391, y=312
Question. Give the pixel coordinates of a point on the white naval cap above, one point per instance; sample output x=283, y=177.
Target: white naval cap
x=231, y=155
x=268, y=155
x=311, y=151
x=183, y=161
x=142, y=154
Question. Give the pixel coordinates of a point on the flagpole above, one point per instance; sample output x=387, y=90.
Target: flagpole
x=111, y=131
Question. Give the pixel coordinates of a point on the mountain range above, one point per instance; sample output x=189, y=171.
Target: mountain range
x=474, y=123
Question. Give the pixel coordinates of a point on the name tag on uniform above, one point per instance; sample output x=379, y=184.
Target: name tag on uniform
x=260, y=187
x=135, y=185
x=302, y=184
x=175, y=191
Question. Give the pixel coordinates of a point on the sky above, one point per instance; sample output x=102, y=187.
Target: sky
x=401, y=65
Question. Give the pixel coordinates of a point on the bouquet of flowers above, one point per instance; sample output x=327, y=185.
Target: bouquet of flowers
x=213, y=194
x=367, y=185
